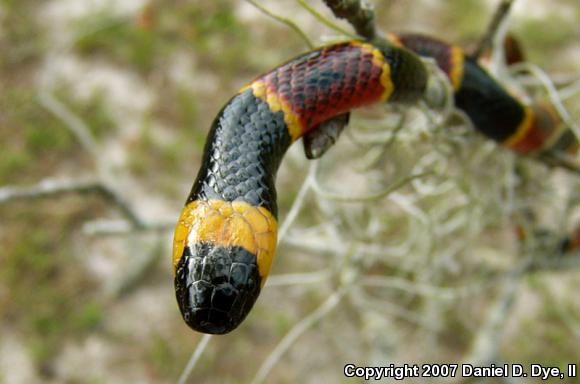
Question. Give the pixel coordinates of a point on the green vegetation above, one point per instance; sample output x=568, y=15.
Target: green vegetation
x=33, y=136
x=163, y=356
x=13, y=161
x=549, y=343
x=93, y=110
x=465, y=17
x=40, y=138
x=146, y=42
x=42, y=275
x=21, y=40
x=110, y=35
x=551, y=32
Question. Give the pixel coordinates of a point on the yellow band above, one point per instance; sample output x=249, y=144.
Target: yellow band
x=276, y=103
x=226, y=223
x=379, y=61
x=457, y=67
x=522, y=130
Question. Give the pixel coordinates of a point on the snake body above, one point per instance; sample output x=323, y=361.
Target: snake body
x=226, y=236
x=525, y=129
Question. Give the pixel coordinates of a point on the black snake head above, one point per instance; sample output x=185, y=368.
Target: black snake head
x=222, y=254
x=216, y=286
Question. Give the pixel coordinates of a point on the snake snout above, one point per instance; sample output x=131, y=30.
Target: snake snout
x=216, y=286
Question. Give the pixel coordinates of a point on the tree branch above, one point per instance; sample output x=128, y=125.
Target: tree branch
x=560, y=160
x=52, y=188
x=284, y=20
x=359, y=13
x=486, y=40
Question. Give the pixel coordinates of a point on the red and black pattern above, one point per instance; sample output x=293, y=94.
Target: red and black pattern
x=526, y=129
x=327, y=82
x=428, y=46
x=333, y=80
x=252, y=132
x=244, y=148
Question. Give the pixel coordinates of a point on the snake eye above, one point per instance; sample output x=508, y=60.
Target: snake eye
x=216, y=286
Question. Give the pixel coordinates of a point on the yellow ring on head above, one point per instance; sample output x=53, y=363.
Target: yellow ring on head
x=228, y=223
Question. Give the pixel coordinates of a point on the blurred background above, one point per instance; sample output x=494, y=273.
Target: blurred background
x=104, y=109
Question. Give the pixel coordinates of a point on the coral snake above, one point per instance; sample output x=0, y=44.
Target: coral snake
x=225, y=238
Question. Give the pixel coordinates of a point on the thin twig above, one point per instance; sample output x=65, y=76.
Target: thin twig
x=486, y=343
x=107, y=227
x=368, y=197
x=394, y=282
x=358, y=13
x=54, y=188
x=550, y=88
x=74, y=123
x=324, y=20
x=298, y=202
x=285, y=21
x=194, y=359
x=300, y=327
x=299, y=278
x=486, y=40
x=570, y=90
x=561, y=161
x=48, y=188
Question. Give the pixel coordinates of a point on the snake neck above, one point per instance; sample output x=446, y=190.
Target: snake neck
x=243, y=152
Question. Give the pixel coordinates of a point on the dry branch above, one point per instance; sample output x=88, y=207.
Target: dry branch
x=498, y=18
x=57, y=188
x=358, y=13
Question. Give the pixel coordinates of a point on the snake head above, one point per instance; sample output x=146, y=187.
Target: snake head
x=216, y=286
x=222, y=252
